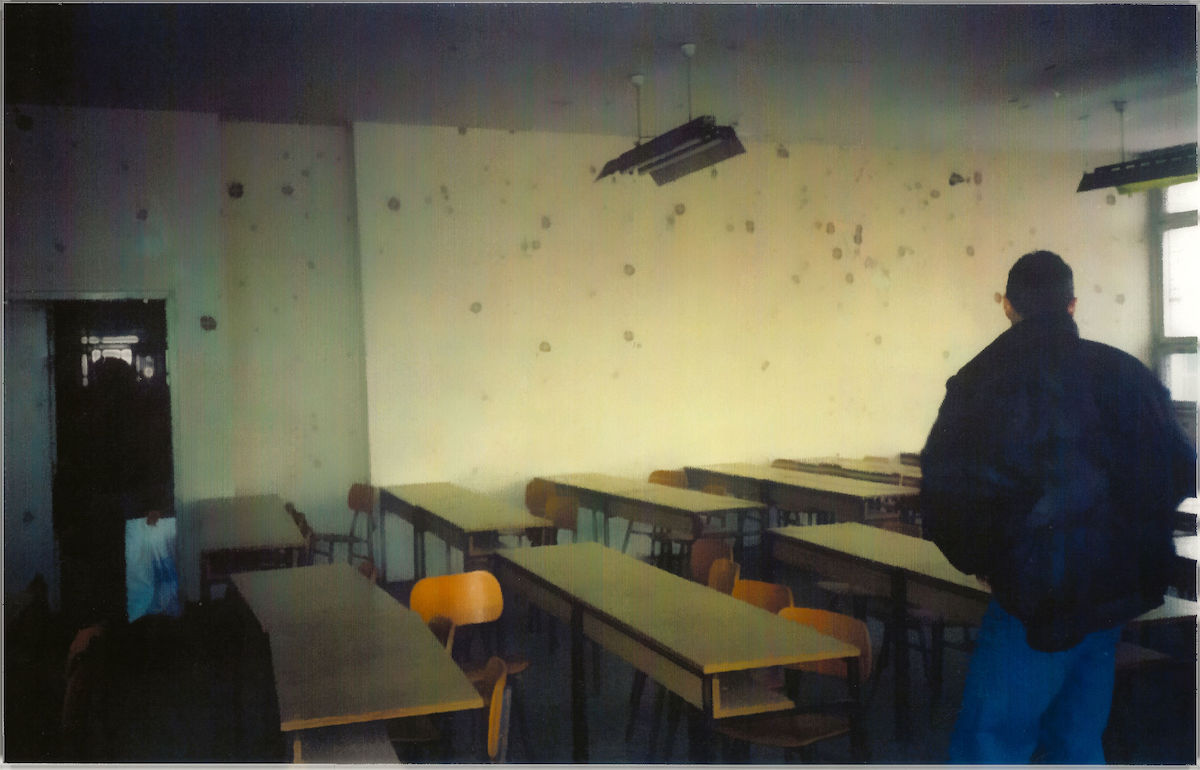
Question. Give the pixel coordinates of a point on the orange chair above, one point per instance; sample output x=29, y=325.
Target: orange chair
x=491, y=684
x=469, y=599
x=705, y=551
x=801, y=730
x=772, y=597
x=723, y=575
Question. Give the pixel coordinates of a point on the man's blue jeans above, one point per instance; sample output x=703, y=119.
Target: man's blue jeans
x=1018, y=700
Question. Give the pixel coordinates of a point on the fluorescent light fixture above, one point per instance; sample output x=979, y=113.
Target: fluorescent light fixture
x=691, y=147
x=1157, y=168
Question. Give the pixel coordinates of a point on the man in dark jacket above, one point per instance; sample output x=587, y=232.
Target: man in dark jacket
x=1052, y=473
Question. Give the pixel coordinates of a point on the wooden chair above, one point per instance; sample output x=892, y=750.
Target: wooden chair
x=442, y=628
x=723, y=575
x=772, y=597
x=492, y=685
x=361, y=500
x=472, y=599
x=800, y=730
x=705, y=551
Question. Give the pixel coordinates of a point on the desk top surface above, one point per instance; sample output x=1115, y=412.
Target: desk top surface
x=660, y=495
x=710, y=630
x=1186, y=547
x=924, y=558
x=344, y=651
x=864, y=465
x=1189, y=505
x=256, y=521
x=841, y=485
x=465, y=509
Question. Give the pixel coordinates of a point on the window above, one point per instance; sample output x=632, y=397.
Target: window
x=1176, y=298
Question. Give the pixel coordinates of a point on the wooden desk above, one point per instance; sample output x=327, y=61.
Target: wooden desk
x=679, y=511
x=705, y=646
x=838, y=497
x=908, y=569
x=232, y=527
x=463, y=519
x=868, y=469
x=344, y=651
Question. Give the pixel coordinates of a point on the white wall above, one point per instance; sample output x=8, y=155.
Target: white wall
x=289, y=245
x=738, y=336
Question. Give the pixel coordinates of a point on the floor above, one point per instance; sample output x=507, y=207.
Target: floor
x=177, y=683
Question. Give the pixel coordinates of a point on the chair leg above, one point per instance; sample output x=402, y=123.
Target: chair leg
x=674, y=712
x=635, y=701
x=518, y=720
x=655, y=720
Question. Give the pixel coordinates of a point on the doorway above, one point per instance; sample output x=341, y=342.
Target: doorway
x=113, y=441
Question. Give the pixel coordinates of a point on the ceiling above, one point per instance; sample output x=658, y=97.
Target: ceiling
x=975, y=76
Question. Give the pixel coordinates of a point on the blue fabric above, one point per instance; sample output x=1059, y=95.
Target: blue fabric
x=1018, y=700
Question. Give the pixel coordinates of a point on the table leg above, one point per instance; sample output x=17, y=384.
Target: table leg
x=578, y=689
x=383, y=545
x=699, y=735
x=900, y=656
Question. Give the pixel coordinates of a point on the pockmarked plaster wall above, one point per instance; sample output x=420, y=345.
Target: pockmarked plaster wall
x=288, y=238
x=107, y=204
x=522, y=319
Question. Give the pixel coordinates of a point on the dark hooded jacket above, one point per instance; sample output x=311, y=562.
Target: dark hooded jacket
x=1053, y=471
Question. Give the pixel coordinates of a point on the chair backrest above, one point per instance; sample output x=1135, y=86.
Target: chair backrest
x=296, y=515
x=443, y=628
x=361, y=497
x=669, y=478
x=705, y=551
x=772, y=597
x=714, y=489
x=847, y=628
x=723, y=575
x=465, y=598
x=536, y=493
x=491, y=686
x=562, y=510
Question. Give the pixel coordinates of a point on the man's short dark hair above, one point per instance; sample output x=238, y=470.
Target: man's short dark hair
x=1040, y=283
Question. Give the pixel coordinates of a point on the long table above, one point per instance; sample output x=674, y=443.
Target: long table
x=908, y=569
x=256, y=524
x=705, y=646
x=672, y=509
x=839, y=497
x=344, y=651
x=461, y=518
x=868, y=469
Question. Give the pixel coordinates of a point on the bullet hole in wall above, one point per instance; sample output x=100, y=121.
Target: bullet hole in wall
x=765, y=365
x=935, y=193
x=476, y=307
x=236, y=190
x=970, y=251
x=544, y=347
x=978, y=177
x=795, y=278
x=729, y=227
x=628, y=336
x=858, y=234
x=445, y=193
x=837, y=252
x=945, y=354
x=749, y=225
x=393, y=203
x=462, y=130
x=545, y=222
x=536, y=245
x=670, y=220
x=849, y=277
x=1120, y=299
x=997, y=297
x=1110, y=199
x=782, y=152
x=679, y=209
x=304, y=173
x=878, y=339
x=142, y=214
x=830, y=229
x=208, y=323
x=956, y=178
x=713, y=174
x=630, y=269
x=287, y=189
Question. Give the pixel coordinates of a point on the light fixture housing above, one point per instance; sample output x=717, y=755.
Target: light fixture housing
x=1157, y=168
x=695, y=145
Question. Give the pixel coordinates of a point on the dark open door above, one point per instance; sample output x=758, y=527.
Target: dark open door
x=113, y=433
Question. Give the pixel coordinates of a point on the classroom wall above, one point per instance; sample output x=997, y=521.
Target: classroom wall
x=522, y=319
x=288, y=238
x=104, y=204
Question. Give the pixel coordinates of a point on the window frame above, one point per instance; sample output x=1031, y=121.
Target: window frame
x=1159, y=222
